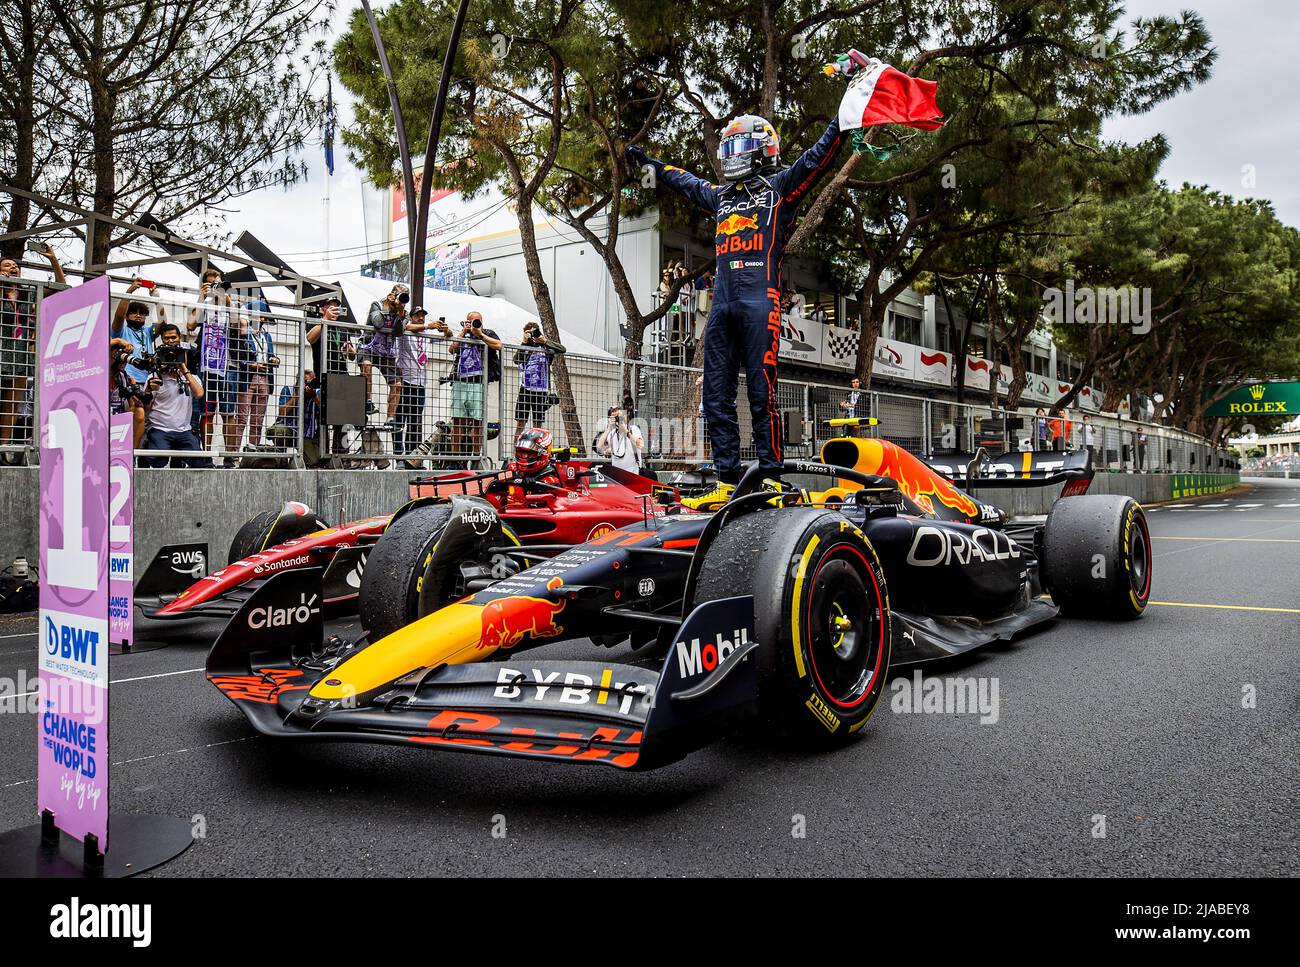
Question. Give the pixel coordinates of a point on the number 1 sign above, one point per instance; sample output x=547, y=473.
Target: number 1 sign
x=72, y=727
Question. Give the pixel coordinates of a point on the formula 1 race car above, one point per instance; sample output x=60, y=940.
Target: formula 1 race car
x=782, y=610
x=580, y=502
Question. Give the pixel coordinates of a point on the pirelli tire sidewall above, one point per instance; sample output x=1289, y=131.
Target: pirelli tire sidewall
x=1097, y=557
x=250, y=537
x=778, y=556
x=832, y=560
x=395, y=568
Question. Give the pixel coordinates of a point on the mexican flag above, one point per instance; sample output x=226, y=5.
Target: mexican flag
x=880, y=94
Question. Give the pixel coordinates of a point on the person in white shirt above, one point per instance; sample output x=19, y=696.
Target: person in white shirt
x=621, y=441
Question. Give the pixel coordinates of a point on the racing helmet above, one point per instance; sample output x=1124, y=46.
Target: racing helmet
x=749, y=146
x=533, y=450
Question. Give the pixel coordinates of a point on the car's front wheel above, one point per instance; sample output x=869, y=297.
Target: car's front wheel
x=821, y=613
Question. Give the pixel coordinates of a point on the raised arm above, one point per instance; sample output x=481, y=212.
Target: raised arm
x=695, y=190
x=797, y=180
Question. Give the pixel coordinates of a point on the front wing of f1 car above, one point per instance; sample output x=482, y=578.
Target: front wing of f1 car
x=627, y=716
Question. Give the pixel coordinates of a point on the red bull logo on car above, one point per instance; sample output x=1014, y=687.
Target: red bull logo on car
x=506, y=621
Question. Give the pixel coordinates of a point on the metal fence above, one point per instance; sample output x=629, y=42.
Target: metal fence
x=433, y=401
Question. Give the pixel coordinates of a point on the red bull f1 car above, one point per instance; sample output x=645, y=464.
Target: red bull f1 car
x=782, y=611
x=574, y=502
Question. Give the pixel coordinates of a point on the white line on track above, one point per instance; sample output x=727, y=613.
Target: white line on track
x=1286, y=505
x=146, y=758
x=142, y=678
x=32, y=634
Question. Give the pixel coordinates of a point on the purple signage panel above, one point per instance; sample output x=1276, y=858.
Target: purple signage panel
x=72, y=728
x=121, y=507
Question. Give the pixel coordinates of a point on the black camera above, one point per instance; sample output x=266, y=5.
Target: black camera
x=125, y=387
x=169, y=359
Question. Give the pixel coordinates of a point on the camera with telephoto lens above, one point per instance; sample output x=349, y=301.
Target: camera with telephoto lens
x=164, y=359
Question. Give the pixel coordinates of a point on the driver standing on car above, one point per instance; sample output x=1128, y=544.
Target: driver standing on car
x=755, y=212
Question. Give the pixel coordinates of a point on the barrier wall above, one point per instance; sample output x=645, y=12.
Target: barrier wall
x=178, y=506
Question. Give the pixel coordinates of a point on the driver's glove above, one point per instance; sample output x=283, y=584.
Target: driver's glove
x=636, y=156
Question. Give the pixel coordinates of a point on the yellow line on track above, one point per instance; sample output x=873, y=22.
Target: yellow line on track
x=1224, y=607
x=1246, y=540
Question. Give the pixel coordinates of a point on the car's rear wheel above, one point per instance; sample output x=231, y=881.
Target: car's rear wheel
x=1097, y=557
x=821, y=613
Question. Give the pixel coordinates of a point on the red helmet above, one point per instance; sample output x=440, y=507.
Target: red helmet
x=533, y=450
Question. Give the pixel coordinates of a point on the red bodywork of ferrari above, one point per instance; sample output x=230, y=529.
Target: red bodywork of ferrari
x=594, y=499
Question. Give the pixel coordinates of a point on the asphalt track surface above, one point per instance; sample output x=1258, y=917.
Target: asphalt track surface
x=1142, y=723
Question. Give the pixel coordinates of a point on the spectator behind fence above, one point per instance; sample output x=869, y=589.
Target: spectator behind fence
x=1040, y=429
x=534, y=361
x=854, y=404
x=621, y=441
x=284, y=431
x=340, y=351
x=221, y=337
x=123, y=391
x=412, y=360
x=1089, y=440
x=1056, y=429
x=131, y=322
x=18, y=339
x=258, y=364
x=477, y=353
x=167, y=416
x=387, y=321
x=1140, y=448
x=331, y=351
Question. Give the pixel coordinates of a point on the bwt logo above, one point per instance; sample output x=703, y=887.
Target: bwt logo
x=75, y=327
x=695, y=660
x=71, y=644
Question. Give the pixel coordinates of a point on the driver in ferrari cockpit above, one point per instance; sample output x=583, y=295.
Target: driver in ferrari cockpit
x=533, y=461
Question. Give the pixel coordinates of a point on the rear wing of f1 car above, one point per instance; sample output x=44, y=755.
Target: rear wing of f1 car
x=636, y=717
x=1026, y=468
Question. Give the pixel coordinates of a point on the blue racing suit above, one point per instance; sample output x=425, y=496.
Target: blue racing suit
x=754, y=221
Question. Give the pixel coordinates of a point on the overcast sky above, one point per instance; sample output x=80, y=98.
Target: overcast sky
x=1243, y=123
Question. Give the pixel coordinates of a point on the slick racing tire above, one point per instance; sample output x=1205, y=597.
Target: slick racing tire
x=1097, y=557
x=392, y=580
x=248, y=539
x=821, y=613
x=256, y=534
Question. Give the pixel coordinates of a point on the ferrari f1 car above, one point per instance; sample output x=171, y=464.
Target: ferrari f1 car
x=783, y=610
x=577, y=502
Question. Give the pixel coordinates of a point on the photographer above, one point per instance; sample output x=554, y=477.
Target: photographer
x=475, y=351
x=412, y=360
x=220, y=331
x=258, y=365
x=621, y=441
x=534, y=362
x=124, y=394
x=284, y=432
x=167, y=416
x=131, y=323
x=388, y=320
